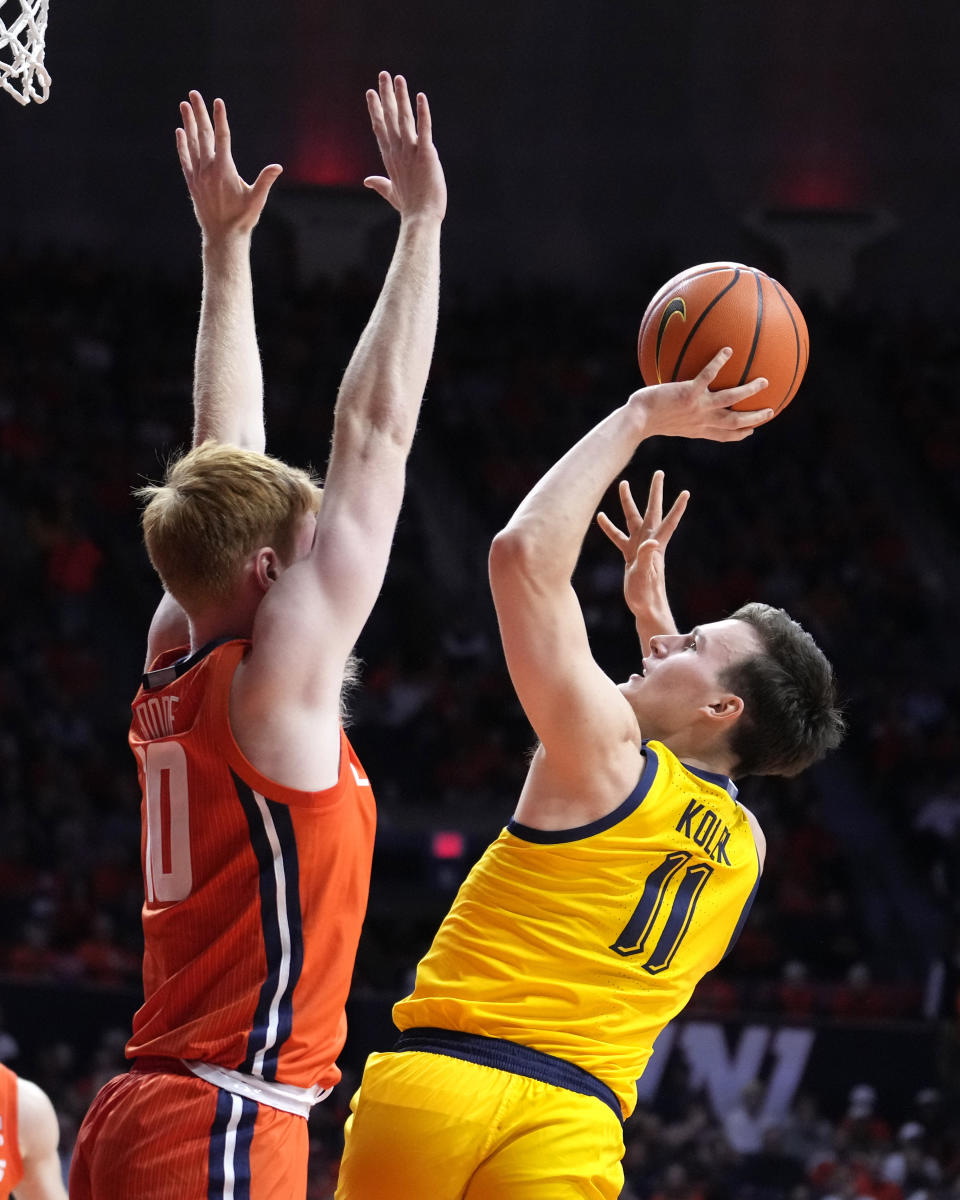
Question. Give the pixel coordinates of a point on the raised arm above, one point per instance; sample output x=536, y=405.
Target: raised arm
x=382, y=388
x=227, y=379
x=575, y=709
x=227, y=375
x=643, y=546
x=309, y=620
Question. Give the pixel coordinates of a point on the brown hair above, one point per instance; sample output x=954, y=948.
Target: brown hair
x=790, y=717
x=217, y=504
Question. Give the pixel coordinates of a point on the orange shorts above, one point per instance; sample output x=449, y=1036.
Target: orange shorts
x=163, y=1135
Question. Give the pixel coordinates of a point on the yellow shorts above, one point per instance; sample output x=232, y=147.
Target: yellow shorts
x=426, y=1125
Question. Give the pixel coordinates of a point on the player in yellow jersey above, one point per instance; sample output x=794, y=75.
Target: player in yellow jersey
x=627, y=869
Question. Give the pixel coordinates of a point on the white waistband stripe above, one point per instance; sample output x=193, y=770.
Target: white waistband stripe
x=284, y=1096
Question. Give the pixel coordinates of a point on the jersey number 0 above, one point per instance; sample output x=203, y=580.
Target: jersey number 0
x=168, y=870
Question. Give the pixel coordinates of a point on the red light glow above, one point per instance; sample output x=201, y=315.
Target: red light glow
x=822, y=181
x=447, y=844
x=326, y=162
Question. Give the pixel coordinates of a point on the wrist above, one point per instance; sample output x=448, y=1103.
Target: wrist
x=225, y=242
x=416, y=222
x=638, y=419
x=641, y=609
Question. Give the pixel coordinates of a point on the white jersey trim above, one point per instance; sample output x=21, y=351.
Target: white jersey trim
x=283, y=923
x=284, y=1096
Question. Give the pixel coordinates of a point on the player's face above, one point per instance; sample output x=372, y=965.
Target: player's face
x=680, y=674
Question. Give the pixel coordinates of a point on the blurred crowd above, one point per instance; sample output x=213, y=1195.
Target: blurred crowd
x=684, y=1153
x=842, y=511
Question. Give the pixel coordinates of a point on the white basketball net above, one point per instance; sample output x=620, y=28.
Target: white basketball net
x=23, y=24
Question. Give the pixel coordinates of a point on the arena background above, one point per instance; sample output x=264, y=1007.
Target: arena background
x=591, y=151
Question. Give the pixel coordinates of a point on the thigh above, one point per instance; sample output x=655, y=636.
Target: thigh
x=551, y=1145
x=419, y=1125
x=174, y=1137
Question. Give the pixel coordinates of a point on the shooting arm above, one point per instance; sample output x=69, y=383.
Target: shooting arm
x=533, y=559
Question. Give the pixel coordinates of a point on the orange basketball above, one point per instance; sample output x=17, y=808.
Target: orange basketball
x=705, y=308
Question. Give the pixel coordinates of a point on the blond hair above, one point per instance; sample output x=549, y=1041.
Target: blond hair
x=217, y=504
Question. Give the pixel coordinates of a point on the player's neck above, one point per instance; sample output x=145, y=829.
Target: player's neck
x=716, y=759
x=224, y=621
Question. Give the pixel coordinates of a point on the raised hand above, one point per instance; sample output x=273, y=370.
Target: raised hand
x=650, y=527
x=690, y=409
x=414, y=183
x=224, y=203
x=643, y=545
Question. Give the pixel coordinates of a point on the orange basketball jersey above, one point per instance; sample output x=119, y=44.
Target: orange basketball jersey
x=11, y=1165
x=254, y=893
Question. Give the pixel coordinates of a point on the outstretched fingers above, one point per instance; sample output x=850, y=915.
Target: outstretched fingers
x=391, y=113
x=669, y=523
x=204, y=126
x=378, y=122
x=405, y=123
x=188, y=144
x=223, y=202
x=654, y=513
x=221, y=128
x=412, y=180
x=388, y=107
x=424, y=120
x=616, y=535
x=199, y=138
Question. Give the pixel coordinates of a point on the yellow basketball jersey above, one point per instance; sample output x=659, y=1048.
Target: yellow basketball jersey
x=583, y=943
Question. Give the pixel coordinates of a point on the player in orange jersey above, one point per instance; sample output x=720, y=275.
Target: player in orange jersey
x=257, y=817
x=629, y=864
x=29, y=1136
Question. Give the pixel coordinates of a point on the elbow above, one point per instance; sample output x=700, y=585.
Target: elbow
x=385, y=429
x=512, y=552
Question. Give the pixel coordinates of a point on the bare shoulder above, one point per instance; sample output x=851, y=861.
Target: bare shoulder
x=39, y=1136
x=758, y=835
x=554, y=797
x=169, y=629
x=39, y=1128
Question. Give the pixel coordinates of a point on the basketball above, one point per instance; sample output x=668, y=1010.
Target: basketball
x=703, y=309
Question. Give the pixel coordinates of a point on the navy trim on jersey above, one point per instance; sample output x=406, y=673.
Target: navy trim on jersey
x=504, y=1055
x=231, y=1136
x=279, y=923
x=620, y=813
x=723, y=781
x=162, y=676
x=746, y=910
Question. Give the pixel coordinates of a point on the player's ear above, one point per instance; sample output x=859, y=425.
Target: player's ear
x=727, y=707
x=266, y=567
